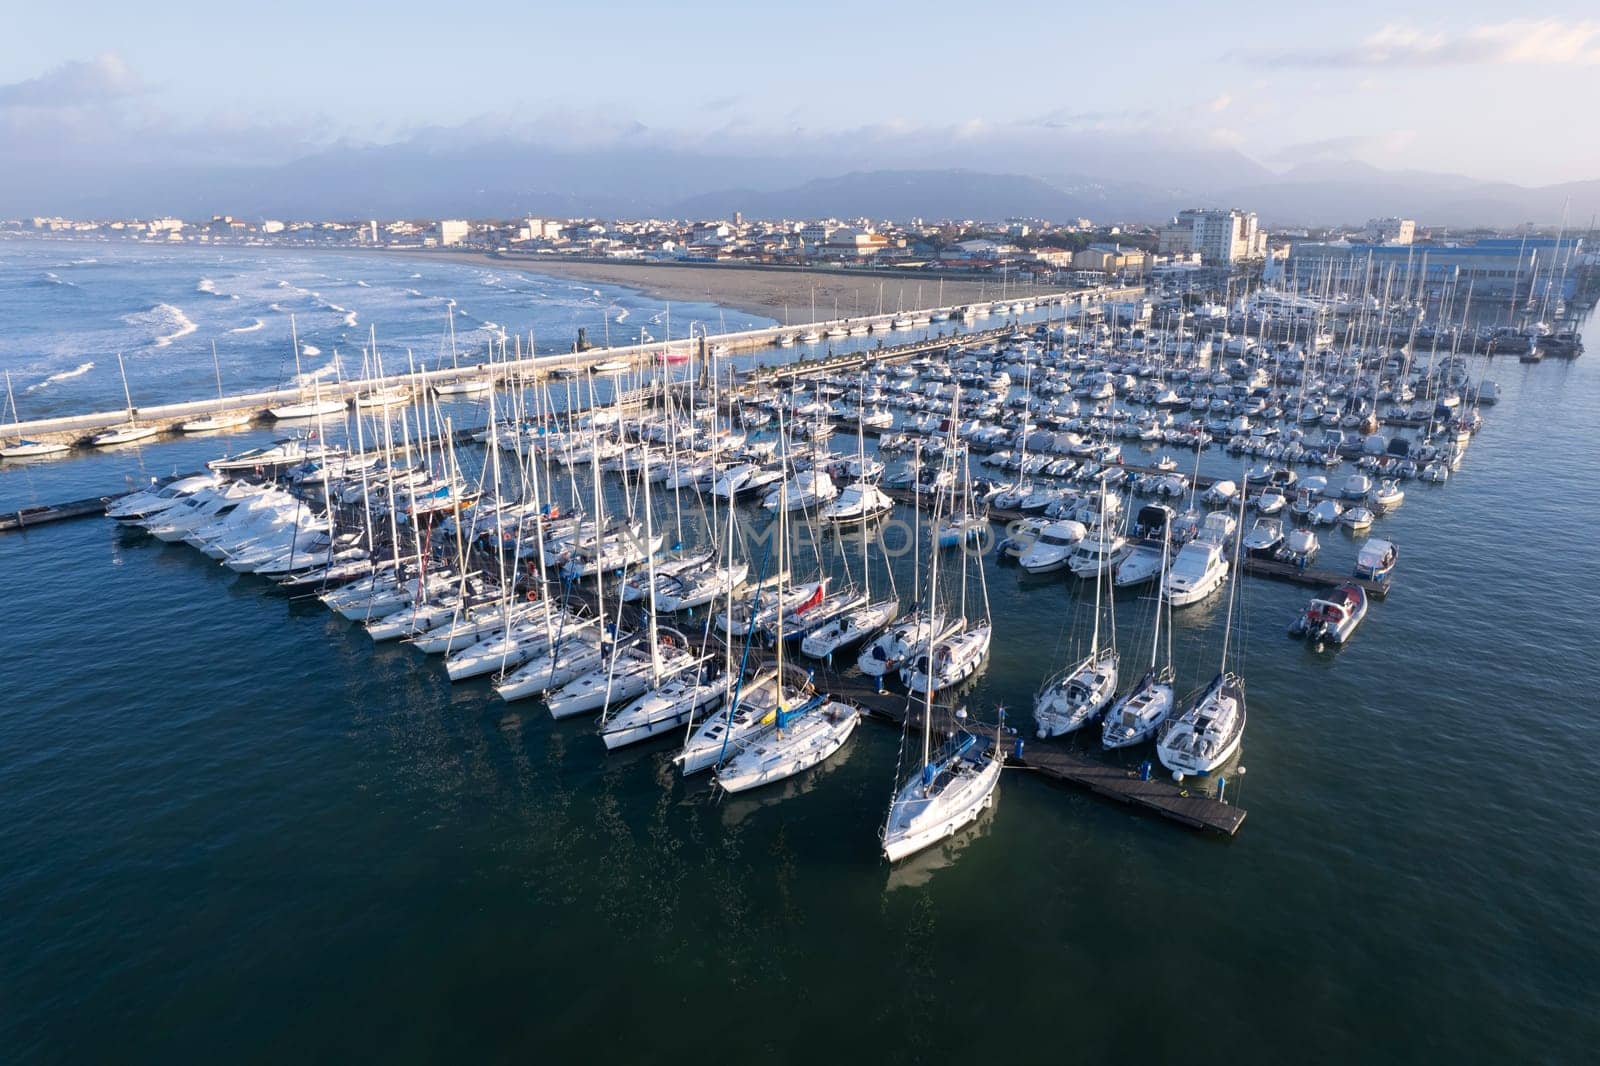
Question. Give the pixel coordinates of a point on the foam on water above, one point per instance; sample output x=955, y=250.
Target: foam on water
x=164, y=321
x=251, y=328
x=322, y=372
x=65, y=375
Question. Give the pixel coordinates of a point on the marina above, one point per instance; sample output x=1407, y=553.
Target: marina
x=456, y=497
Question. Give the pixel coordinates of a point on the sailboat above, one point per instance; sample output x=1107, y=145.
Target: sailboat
x=130, y=430
x=948, y=790
x=21, y=447
x=680, y=699
x=1135, y=717
x=1071, y=698
x=952, y=784
x=789, y=739
x=220, y=419
x=950, y=659
x=303, y=408
x=1207, y=732
x=461, y=386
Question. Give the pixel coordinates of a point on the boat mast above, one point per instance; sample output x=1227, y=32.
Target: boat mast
x=1233, y=585
x=294, y=341
x=125, y=395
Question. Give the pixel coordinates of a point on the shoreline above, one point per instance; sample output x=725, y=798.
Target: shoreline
x=782, y=294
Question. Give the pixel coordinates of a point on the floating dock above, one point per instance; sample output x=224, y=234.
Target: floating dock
x=1157, y=794
x=44, y=514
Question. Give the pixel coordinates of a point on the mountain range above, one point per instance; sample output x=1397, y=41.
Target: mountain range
x=443, y=177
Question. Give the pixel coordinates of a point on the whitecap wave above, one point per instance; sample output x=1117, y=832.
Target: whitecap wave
x=251, y=328
x=65, y=375
x=207, y=286
x=416, y=275
x=310, y=349
x=622, y=315
x=321, y=372
x=166, y=322
x=276, y=307
x=363, y=284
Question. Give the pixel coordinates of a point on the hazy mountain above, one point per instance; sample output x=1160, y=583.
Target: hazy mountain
x=900, y=194
x=445, y=173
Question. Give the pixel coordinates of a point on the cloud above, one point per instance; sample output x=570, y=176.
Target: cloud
x=1541, y=41
x=79, y=83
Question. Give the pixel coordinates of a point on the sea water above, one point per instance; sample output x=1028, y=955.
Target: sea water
x=235, y=828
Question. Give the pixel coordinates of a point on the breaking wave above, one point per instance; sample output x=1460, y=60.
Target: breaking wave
x=251, y=328
x=167, y=322
x=77, y=371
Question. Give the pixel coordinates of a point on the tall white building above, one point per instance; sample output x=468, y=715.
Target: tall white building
x=1391, y=230
x=453, y=230
x=1219, y=236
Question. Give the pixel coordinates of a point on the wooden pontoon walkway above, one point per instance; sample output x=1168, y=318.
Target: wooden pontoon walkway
x=1187, y=806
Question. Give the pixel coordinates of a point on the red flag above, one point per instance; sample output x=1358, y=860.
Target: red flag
x=812, y=601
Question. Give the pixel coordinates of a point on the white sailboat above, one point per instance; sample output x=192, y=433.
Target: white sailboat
x=1137, y=716
x=129, y=431
x=953, y=655
x=303, y=408
x=1073, y=697
x=948, y=790
x=1207, y=732
x=791, y=739
x=221, y=419
x=19, y=447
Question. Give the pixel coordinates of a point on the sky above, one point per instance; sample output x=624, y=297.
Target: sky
x=1488, y=91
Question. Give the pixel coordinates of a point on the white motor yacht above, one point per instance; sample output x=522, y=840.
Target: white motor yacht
x=1099, y=552
x=1054, y=547
x=1198, y=571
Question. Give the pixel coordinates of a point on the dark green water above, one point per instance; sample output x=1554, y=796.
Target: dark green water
x=233, y=829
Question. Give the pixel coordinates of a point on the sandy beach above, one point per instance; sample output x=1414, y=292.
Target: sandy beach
x=782, y=295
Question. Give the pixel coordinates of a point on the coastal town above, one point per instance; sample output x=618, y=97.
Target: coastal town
x=1195, y=250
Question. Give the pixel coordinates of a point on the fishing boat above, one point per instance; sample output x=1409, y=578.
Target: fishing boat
x=1388, y=496
x=1264, y=538
x=1376, y=559
x=1332, y=618
x=1299, y=548
x=1357, y=519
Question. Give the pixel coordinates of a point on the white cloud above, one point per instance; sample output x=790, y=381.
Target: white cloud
x=1532, y=41
x=77, y=83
